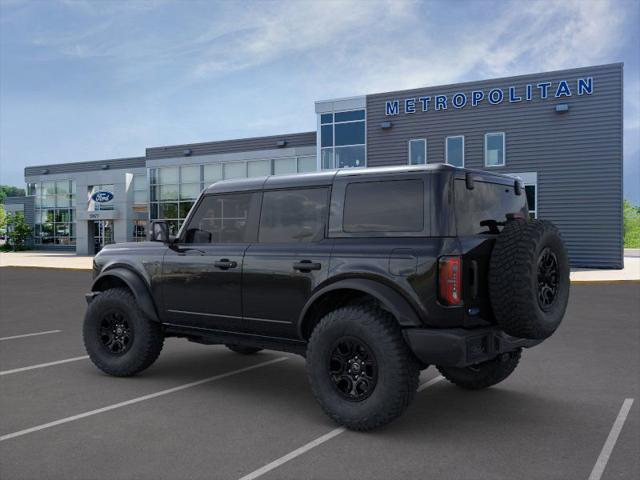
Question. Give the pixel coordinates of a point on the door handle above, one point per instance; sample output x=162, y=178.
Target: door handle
x=225, y=264
x=306, y=266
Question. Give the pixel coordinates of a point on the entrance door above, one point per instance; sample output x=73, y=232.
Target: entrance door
x=102, y=234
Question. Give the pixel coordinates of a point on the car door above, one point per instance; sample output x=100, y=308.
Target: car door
x=289, y=260
x=202, y=272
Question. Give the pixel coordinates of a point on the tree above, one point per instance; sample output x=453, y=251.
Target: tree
x=18, y=230
x=631, y=225
x=10, y=191
x=3, y=218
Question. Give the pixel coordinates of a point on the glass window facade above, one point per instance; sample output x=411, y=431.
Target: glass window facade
x=173, y=190
x=417, y=152
x=342, y=139
x=494, y=146
x=455, y=151
x=55, y=222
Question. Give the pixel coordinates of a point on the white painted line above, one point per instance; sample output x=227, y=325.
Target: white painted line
x=136, y=400
x=433, y=381
x=42, y=365
x=30, y=335
x=603, y=458
x=314, y=443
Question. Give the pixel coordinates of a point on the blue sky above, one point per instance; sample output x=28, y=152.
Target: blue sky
x=87, y=80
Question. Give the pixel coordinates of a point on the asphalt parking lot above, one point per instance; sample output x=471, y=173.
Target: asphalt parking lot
x=205, y=412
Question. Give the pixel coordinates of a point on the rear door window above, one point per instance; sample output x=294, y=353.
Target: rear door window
x=293, y=216
x=384, y=206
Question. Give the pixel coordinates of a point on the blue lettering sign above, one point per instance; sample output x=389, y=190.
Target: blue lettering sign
x=563, y=89
x=441, y=102
x=410, y=105
x=544, y=88
x=585, y=85
x=512, y=95
x=476, y=97
x=102, y=197
x=392, y=107
x=496, y=96
x=459, y=100
x=425, y=103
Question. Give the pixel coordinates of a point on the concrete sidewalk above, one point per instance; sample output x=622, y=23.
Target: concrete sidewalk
x=68, y=260
x=46, y=259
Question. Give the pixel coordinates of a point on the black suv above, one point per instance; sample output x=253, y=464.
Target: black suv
x=371, y=274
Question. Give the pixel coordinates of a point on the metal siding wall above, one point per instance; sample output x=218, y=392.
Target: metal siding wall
x=577, y=155
x=230, y=146
x=96, y=165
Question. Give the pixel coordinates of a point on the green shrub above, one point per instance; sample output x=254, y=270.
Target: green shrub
x=631, y=225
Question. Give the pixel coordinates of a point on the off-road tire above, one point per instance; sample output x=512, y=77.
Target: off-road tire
x=397, y=369
x=147, y=337
x=484, y=374
x=242, y=349
x=514, y=278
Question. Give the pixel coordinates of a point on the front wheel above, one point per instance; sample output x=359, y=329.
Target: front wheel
x=119, y=338
x=485, y=374
x=361, y=371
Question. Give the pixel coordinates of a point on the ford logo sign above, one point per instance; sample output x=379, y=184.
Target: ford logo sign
x=102, y=197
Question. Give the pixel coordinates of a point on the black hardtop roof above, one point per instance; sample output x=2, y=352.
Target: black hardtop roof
x=326, y=177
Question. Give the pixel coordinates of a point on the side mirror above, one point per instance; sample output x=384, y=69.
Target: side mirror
x=160, y=232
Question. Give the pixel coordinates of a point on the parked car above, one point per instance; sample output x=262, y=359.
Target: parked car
x=371, y=274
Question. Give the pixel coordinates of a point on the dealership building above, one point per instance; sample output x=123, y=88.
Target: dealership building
x=561, y=132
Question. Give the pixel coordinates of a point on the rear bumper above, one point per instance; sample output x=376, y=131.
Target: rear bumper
x=458, y=347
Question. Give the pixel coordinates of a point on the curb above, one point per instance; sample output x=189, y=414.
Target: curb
x=606, y=282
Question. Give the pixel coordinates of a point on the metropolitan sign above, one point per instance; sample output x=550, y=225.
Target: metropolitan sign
x=493, y=96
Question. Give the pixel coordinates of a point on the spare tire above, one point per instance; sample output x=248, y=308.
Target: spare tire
x=529, y=279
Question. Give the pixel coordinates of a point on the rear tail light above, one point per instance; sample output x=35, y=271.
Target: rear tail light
x=450, y=280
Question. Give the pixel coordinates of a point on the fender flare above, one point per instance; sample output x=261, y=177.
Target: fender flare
x=395, y=303
x=137, y=286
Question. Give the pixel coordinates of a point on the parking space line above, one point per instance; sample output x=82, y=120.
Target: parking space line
x=43, y=365
x=314, y=443
x=603, y=458
x=137, y=400
x=29, y=335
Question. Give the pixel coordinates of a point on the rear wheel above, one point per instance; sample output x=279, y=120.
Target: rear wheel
x=360, y=369
x=242, y=349
x=485, y=374
x=118, y=337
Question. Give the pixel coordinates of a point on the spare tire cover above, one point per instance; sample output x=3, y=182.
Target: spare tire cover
x=529, y=279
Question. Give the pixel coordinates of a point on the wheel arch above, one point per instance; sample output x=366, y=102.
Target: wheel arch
x=122, y=277
x=349, y=290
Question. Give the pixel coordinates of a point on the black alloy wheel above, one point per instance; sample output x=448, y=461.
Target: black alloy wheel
x=353, y=369
x=116, y=332
x=547, y=278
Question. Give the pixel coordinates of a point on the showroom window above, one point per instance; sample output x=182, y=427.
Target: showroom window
x=417, y=151
x=172, y=192
x=454, y=154
x=139, y=230
x=342, y=139
x=54, y=212
x=494, y=149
